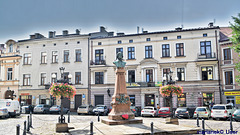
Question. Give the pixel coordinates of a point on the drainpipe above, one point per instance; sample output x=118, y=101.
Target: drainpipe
x=219, y=81
x=89, y=75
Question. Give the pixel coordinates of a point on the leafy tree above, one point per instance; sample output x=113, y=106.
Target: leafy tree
x=236, y=39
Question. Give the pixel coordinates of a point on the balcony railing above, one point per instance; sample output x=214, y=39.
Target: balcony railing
x=143, y=84
x=98, y=62
x=227, y=62
x=207, y=56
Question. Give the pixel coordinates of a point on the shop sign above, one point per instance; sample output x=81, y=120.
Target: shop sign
x=232, y=93
x=237, y=99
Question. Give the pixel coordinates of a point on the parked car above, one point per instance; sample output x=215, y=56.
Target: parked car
x=222, y=111
x=183, y=112
x=27, y=109
x=134, y=110
x=12, y=106
x=41, y=108
x=85, y=109
x=3, y=112
x=149, y=111
x=203, y=112
x=57, y=109
x=101, y=109
x=236, y=115
x=164, y=112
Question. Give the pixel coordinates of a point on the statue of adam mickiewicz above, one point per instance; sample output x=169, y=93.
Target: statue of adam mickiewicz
x=119, y=62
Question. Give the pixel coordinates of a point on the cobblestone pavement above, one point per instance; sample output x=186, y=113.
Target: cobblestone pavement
x=45, y=124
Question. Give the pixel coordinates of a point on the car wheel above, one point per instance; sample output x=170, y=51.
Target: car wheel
x=44, y=112
x=79, y=113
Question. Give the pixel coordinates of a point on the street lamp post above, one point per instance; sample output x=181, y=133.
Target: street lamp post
x=170, y=81
x=61, y=119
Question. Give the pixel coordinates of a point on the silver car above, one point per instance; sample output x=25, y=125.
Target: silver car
x=3, y=112
x=85, y=109
x=203, y=112
x=101, y=109
x=42, y=108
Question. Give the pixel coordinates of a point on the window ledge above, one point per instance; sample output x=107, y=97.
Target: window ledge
x=26, y=64
x=66, y=62
x=54, y=63
x=149, y=58
x=130, y=59
x=167, y=57
x=43, y=63
x=26, y=85
x=78, y=84
x=180, y=56
x=77, y=61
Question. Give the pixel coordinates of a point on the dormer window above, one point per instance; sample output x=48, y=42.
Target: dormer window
x=10, y=48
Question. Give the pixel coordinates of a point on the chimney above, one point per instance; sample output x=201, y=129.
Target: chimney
x=210, y=24
x=102, y=29
x=65, y=32
x=178, y=29
x=77, y=31
x=120, y=34
x=137, y=29
x=51, y=34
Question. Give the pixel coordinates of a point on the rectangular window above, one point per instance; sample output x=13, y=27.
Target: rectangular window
x=179, y=49
x=130, y=41
x=149, y=75
x=26, y=79
x=27, y=59
x=165, y=50
x=9, y=74
x=227, y=54
x=54, y=80
x=228, y=78
x=99, y=43
x=119, y=50
x=131, y=76
x=131, y=53
x=43, y=58
x=10, y=48
x=182, y=100
x=66, y=55
x=78, y=55
x=205, y=35
x=180, y=74
x=43, y=78
x=119, y=41
x=99, y=77
x=148, y=51
x=207, y=73
x=77, y=77
x=166, y=71
x=54, y=56
x=206, y=48
x=148, y=39
x=99, y=57
x=179, y=37
x=164, y=38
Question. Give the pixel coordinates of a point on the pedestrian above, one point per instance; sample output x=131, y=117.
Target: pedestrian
x=158, y=107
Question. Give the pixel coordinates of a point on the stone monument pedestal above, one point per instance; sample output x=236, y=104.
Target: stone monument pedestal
x=61, y=127
x=170, y=120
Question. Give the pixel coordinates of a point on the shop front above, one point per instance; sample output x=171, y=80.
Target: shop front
x=233, y=97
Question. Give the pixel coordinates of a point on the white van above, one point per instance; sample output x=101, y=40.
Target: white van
x=222, y=111
x=12, y=106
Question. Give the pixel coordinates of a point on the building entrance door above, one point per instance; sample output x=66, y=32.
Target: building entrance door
x=78, y=101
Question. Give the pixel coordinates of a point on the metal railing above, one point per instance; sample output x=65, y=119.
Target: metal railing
x=142, y=84
x=207, y=55
x=97, y=62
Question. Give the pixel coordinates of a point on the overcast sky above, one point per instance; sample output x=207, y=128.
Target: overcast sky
x=20, y=18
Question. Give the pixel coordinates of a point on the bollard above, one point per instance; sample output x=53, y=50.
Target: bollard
x=152, y=128
x=197, y=121
x=203, y=127
x=91, y=128
x=31, y=119
x=231, y=127
x=98, y=117
x=68, y=116
x=24, y=129
x=28, y=124
x=18, y=129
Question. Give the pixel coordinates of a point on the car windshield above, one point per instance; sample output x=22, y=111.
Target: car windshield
x=39, y=106
x=237, y=111
x=218, y=108
x=181, y=109
x=100, y=107
x=55, y=106
x=164, y=109
x=200, y=109
x=148, y=108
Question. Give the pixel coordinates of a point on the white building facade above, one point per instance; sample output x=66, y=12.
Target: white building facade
x=191, y=54
x=42, y=57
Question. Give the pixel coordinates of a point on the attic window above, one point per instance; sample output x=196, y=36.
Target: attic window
x=99, y=43
x=130, y=41
x=66, y=43
x=44, y=45
x=78, y=42
x=164, y=38
x=148, y=39
x=119, y=41
x=205, y=35
x=179, y=37
x=54, y=44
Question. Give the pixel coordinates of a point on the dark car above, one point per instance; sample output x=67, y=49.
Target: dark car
x=42, y=108
x=57, y=109
x=183, y=112
x=164, y=112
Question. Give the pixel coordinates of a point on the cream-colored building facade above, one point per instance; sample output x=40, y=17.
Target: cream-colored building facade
x=42, y=57
x=9, y=70
x=191, y=54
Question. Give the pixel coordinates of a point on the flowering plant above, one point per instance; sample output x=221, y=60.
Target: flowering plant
x=65, y=90
x=168, y=89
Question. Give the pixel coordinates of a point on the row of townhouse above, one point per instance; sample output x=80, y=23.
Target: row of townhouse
x=195, y=56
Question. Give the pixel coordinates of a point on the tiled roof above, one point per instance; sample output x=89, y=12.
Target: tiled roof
x=225, y=33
